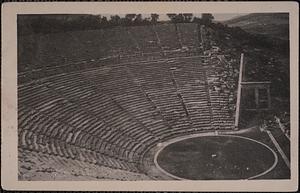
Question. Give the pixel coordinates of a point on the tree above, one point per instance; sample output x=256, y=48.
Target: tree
x=207, y=18
x=172, y=16
x=197, y=20
x=179, y=18
x=188, y=17
x=104, y=22
x=146, y=21
x=115, y=20
x=129, y=18
x=154, y=18
x=138, y=19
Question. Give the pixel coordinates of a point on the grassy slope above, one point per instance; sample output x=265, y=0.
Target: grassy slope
x=273, y=24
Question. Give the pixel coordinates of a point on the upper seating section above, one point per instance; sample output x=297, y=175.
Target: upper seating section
x=91, y=117
x=188, y=34
x=42, y=55
x=120, y=41
x=61, y=48
x=168, y=36
x=146, y=38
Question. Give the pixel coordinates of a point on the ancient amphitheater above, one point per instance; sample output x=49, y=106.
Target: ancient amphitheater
x=95, y=104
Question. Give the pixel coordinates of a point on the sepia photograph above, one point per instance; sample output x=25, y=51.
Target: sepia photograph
x=154, y=96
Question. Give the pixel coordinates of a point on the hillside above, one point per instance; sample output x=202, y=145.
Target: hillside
x=93, y=102
x=273, y=24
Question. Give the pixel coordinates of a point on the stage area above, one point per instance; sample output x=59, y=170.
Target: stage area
x=217, y=157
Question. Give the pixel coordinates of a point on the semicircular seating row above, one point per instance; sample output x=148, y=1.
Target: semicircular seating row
x=111, y=115
x=117, y=112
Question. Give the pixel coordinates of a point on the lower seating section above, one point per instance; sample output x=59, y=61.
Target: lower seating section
x=220, y=95
x=41, y=166
x=156, y=82
x=112, y=114
x=85, y=111
x=222, y=78
x=192, y=86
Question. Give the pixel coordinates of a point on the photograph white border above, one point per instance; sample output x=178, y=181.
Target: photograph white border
x=9, y=169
